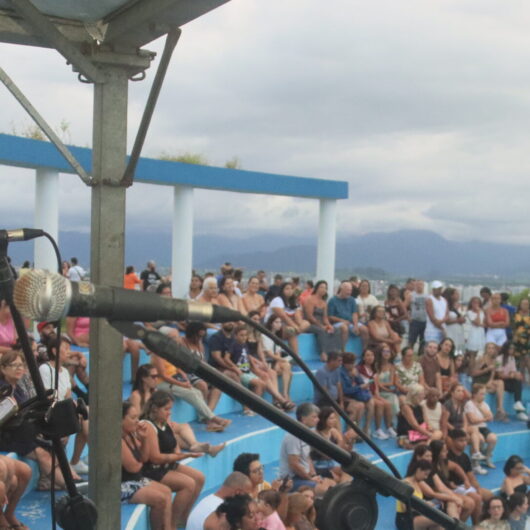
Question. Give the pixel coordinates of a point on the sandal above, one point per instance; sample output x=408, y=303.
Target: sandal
x=288, y=406
x=214, y=427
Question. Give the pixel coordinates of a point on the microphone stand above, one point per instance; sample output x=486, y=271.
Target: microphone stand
x=78, y=512
x=369, y=479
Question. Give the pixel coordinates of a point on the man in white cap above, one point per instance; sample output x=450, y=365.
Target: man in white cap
x=437, y=312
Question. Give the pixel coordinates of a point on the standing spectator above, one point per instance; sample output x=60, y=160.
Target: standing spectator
x=150, y=277
x=329, y=377
x=329, y=338
x=448, y=375
x=505, y=303
x=366, y=301
x=436, y=309
x=476, y=340
x=497, y=320
x=380, y=331
x=494, y=516
x=195, y=289
x=64, y=268
x=76, y=273
x=521, y=335
x=485, y=295
x=418, y=315
x=396, y=312
x=343, y=313
x=517, y=507
x=431, y=366
x=506, y=370
x=131, y=280
x=295, y=459
x=235, y=484
x=478, y=413
x=454, y=326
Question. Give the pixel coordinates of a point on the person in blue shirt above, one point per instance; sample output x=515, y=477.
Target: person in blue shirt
x=342, y=309
x=329, y=377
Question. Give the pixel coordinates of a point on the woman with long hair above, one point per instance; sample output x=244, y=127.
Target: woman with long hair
x=380, y=331
x=521, y=335
x=228, y=296
x=366, y=301
x=163, y=456
x=476, y=339
x=240, y=513
x=494, y=516
x=329, y=338
x=252, y=300
x=517, y=477
x=445, y=354
x=396, y=312
x=497, y=320
x=297, y=508
x=454, y=325
x=385, y=380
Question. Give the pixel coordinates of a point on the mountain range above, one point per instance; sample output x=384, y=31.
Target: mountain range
x=402, y=253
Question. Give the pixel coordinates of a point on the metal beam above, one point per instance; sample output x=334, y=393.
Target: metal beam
x=171, y=41
x=43, y=26
x=48, y=131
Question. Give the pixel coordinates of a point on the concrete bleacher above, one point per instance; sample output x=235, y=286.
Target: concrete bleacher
x=256, y=434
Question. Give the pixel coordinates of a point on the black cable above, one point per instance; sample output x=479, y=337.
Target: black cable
x=323, y=391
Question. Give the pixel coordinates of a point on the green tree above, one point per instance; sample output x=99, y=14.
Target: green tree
x=186, y=157
x=233, y=163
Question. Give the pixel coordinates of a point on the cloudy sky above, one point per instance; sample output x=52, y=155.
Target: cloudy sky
x=423, y=107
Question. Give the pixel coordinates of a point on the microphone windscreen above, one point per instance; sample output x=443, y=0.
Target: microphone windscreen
x=41, y=295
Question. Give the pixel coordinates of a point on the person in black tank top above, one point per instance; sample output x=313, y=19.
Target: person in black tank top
x=135, y=488
x=163, y=457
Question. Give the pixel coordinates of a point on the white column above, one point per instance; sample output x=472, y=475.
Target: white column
x=327, y=228
x=46, y=217
x=182, y=242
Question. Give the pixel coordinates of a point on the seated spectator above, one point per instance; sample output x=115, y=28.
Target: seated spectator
x=131, y=280
x=329, y=338
x=14, y=478
x=417, y=473
x=396, y=312
x=382, y=407
x=8, y=333
x=209, y=294
x=47, y=374
x=295, y=459
x=275, y=289
x=484, y=372
x=308, y=291
x=268, y=504
x=252, y=300
x=380, y=332
x=357, y=393
x=285, y=306
x=497, y=320
x=235, y=513
x=135, y=488
x=476, y=338
x=311, y=512
x=143, y=388
x=235, y=484
x=329, y=377
x=431, y=366
x=435, y=415
x=228, y=296
x=494, y=515
x=297, y=509
x=219, y=345
x=170, y=328
x=366, y=302
x=506, y=369
x=517, y=508
x=478, y=413
x=411, y=425
x=194, y=340
x=445, y=354
x=329, y=428
x=263, y=283
x=343, y=313
x=276, y=356
x=408, y=372
x=162, y=458
x=457, y=442
x=176, y=382
x=517, y=477
x=195, y=289
x=385, y=381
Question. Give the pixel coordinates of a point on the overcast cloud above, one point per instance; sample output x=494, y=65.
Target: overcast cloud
x=423, y=107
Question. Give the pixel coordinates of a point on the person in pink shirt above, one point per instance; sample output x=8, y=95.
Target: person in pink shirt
x=268, y=502
x=8, y=333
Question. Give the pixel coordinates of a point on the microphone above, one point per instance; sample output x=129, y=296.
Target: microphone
x=21, y=234
x=45, y=296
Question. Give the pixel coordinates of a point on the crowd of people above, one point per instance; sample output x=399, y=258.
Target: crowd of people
x=426, y=366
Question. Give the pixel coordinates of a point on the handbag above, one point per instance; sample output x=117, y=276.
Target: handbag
x=416, y=436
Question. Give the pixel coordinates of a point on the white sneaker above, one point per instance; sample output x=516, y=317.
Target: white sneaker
x=522, y=416
x=519, y=407
x=391, y=432
x=380, y=434
x=478, y=456
x=479, y=470
x=80, y=468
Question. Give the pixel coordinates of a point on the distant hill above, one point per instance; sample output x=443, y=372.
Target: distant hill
x=405, y=252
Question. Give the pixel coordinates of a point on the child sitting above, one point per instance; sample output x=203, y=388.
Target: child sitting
x=268, y=502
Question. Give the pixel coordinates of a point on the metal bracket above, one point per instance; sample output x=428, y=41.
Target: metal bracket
x=171, y=41
x=48, y=131
x=56, y=39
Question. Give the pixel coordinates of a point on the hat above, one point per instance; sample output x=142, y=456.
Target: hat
x=436, y=284
x=42, y=325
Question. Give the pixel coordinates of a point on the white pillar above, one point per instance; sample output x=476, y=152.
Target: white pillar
x=46, y=217
x=182, y=242
x=327, y=228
